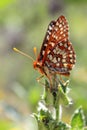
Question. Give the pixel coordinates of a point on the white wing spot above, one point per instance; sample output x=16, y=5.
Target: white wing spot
x=61, y=44
x=65, y=65
x=61, y=32
x=43, y=52
x=50, y=28
x=58, y=51
x=71, y=60
x=56, y=37
x=54, y=51
x=57, y=48
x=49, y=32
x=64, y=57
x=50, y=57
x=48, y=52
x=47, y=37
x=60, y=25
x=69, y=48
x=63, y=60
x=53, y=26
x=52, y=43
x=57, y=64
x=45, y=44
x=71, y=51
x=70, y=55
x=58, y=59
x=65, y=26
x=64, y=35
x=57, y=23
x=53, y=35
x=65, y=39
x=54, y=60
x=64, y=30
x=65, y=45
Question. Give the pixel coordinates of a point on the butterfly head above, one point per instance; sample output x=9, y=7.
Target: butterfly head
x=38, y=66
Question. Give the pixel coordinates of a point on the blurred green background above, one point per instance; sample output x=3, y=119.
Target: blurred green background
x=23, y=24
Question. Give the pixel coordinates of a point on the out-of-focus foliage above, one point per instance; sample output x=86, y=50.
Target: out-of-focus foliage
x=5, y=125
x=73, y=1
x=23, y=24
x=4, y=3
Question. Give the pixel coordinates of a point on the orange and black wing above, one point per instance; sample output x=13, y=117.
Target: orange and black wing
x=57, y=52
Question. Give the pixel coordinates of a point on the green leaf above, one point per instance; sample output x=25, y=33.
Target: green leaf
x=78, y=120
x=64, y=85
x=62, y=126
x=63, y=97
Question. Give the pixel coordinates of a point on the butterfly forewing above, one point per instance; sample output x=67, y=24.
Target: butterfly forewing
x=57, y=31
x=46, y=40
x=57, y=53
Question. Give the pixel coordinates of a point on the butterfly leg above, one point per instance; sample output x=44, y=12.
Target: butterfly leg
x=39, y=78
x=61, y=79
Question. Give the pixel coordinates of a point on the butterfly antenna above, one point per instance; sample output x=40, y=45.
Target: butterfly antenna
x=22, y=53
x=35, y=52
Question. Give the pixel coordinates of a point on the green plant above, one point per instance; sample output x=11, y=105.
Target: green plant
x=49, y=108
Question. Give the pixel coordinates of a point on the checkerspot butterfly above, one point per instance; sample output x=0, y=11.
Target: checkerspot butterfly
x=57, y=55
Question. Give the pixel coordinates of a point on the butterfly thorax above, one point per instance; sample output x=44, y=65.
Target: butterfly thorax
x=41, y=68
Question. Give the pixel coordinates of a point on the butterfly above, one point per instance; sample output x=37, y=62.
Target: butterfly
x=57, y=55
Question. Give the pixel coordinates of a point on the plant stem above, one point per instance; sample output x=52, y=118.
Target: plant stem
x=56, y=97
x=57, y=113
